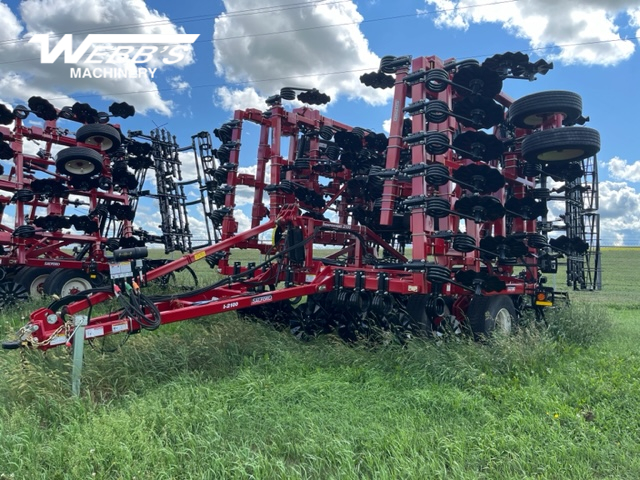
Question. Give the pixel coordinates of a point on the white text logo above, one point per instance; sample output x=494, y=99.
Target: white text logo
x=116, y=49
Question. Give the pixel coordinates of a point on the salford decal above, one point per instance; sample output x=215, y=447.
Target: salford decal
x=263, y=299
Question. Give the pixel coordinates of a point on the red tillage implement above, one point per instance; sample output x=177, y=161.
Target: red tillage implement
x=463, y=180
x=41, y=187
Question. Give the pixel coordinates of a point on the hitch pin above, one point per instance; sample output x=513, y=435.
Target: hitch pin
x=26, y=331
x=24, y=336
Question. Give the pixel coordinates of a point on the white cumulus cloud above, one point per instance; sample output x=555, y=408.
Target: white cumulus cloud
x=622, y=170
x=23, y=75
x=232, y=99
x=244, y=222
x=179, y=85
x=292, y=46
x=618, y=200
x=586, y=32
x=386, y=126
x=620, y=212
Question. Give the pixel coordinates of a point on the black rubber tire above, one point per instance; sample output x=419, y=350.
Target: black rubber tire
x=33, y=279
x=79, y=162
x=567, y=144
x=105, y=137
x=531, y=111
x=11, y=294
x=64, y=281
x=485, y=310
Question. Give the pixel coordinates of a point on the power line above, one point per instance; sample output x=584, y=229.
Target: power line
x=291, y=6
x=318, y=27
x=324, y=74
x=223, y=84
x=279, y=8
x=371, y=20
x=564, y=45
x=193, y=18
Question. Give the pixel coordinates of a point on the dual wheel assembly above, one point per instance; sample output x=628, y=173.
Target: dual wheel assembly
x=84, y=162
x=484, y=316
x=566, y=143
x=34, y=282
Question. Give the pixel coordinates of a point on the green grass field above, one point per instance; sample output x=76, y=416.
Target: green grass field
x=225, y=398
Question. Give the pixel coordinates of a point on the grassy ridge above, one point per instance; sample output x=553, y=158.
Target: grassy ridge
x=224, y=398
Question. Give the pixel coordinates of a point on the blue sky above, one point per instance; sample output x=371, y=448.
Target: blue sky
x=593, y=45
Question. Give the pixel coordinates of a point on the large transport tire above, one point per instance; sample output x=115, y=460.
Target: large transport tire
x=567, y=144
x=532, y=110
x=65, y=282
x=79, y=162
x=488, y=314
x=106, y=137
x=33, y=279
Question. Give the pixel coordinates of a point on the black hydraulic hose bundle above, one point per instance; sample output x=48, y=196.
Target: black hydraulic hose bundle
x=134, y=304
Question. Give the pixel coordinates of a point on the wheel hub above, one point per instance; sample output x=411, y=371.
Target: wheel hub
x=79, y=167
x=503, y=321
x=103, y=142
x=566, y=154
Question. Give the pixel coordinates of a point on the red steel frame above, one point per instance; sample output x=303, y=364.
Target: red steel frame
x=44, y=249
x=317, y=276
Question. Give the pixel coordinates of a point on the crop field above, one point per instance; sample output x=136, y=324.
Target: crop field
x=224, y=397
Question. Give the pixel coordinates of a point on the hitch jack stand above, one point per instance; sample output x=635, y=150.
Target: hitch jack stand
x=80, y=323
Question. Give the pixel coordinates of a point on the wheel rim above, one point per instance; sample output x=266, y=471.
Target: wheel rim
x=503, y=321
x=79, y=167
x=12, y=293
x=559, y=155
x=75, y=285
x=535, y=119
x=36, y=288
x=103, y=142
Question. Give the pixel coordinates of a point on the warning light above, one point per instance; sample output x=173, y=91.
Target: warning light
x=542, y=300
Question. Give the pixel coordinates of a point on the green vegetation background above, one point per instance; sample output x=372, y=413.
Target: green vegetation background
x=223, y=397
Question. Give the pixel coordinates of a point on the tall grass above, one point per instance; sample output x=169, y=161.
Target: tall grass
x=224, y=398
x=580, y=324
